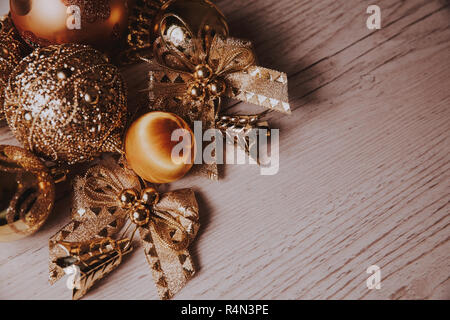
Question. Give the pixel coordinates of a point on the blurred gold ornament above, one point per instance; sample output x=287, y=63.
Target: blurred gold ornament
x=7, y=28
x=6, y=25
x=138, y=38
x=186, y=25
x=148, y=147
x=100, y=23
x=27, y=193
x=66, y=103
x=109, y=193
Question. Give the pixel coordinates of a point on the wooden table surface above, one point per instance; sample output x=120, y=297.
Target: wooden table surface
x=364, y=173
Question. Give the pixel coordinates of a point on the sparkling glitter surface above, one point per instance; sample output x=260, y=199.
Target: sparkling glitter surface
x=66, y=103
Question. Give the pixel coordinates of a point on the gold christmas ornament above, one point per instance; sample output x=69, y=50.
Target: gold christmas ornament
x=10, y=56
x=195, y=77
x=92, y=259
x=27, y=193
x=237, y=130
x=100, y=23
x=196, y=64
x=187, y=24
x=12, y=50
x=104, y=197
x=7, y=26
x=66, y=103
x=183, y=32
x=149, y=146
x=138, y=38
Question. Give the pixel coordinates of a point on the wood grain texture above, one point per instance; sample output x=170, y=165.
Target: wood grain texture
x=364, y=176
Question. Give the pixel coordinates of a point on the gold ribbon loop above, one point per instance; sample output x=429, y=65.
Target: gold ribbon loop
x=231, y=55
x=170, y=232
x=260, y=86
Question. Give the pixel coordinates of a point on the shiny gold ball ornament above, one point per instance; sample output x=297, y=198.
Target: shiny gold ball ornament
x=179, y=25
x=149, y=148
x=100, y=23
x=66, y=103
x=27, y=193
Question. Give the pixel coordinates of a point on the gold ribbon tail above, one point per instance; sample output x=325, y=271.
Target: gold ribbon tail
x=171, y=269
x=260, y=86
x=166, y=239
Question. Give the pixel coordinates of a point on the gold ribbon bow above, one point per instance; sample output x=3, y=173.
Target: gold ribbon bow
x=225, y=69
x=191, y=72
x=110, y=196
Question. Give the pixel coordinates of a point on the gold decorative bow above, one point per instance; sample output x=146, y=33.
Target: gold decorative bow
x=190, y=73
x=226, y=69
x=109, y=196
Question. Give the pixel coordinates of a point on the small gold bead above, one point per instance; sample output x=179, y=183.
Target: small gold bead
x=196, y=91
x=253, y=120
x=202, y=72
x=216, y=87
x=128, y=198
x=63, y=74
x=91, y=98
x=140, y=215
x=28, y=116
x=150, y=196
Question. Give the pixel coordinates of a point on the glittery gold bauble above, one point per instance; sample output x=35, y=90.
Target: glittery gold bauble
x=149, y=146
x=9, y=57
x=66, y=103
x=45, y=22
x=12, y=50
x=27, y=193
x=181, y=22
